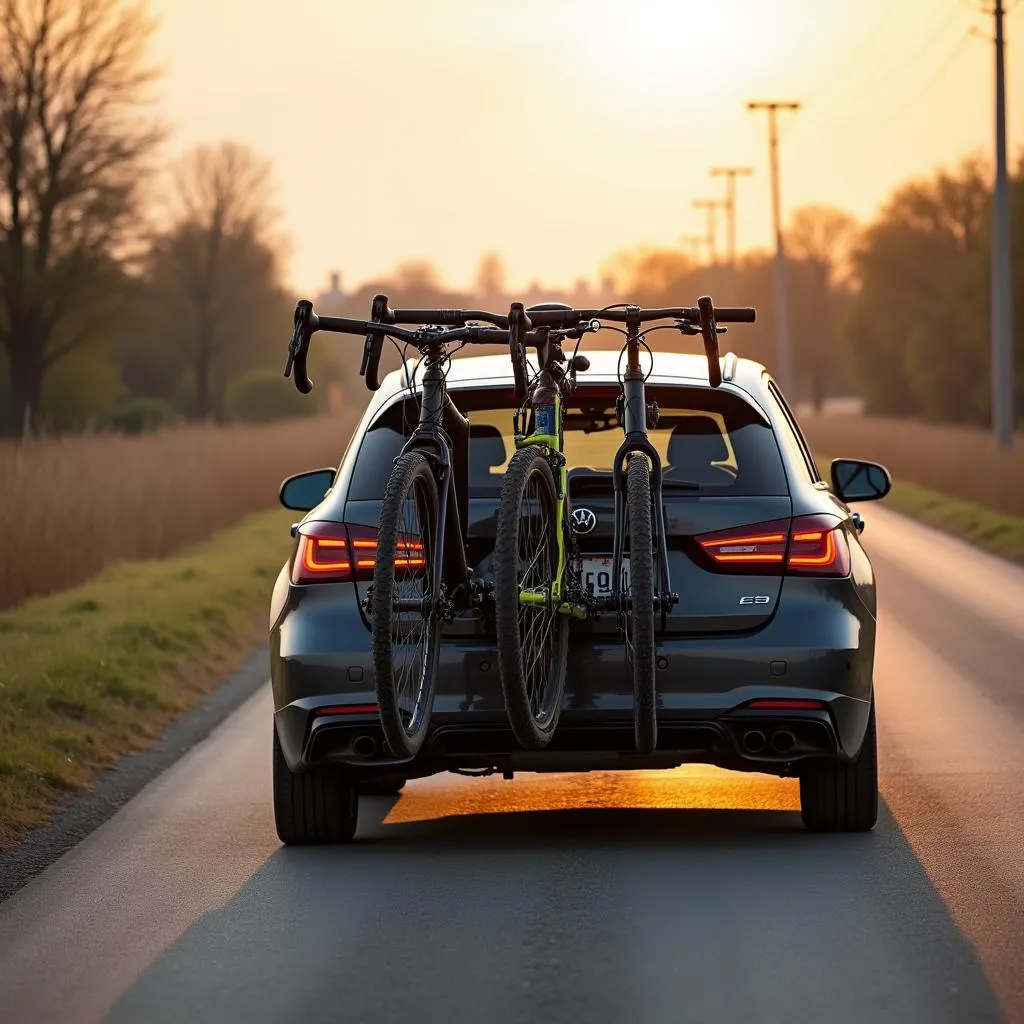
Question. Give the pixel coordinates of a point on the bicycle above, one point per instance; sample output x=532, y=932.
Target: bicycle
x=639, y=539
x=421, y=578
x=534, y=593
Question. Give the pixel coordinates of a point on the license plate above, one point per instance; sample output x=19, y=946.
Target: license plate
x=597, y=572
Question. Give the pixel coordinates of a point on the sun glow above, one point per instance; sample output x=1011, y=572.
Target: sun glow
x=709, y=43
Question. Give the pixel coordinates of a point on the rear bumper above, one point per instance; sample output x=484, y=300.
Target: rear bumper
x=819, y=645
x=582, y=742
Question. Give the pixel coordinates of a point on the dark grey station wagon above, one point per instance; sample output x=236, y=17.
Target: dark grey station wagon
x=765, y=664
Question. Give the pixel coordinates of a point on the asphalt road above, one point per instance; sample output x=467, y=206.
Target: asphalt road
x=690, y=896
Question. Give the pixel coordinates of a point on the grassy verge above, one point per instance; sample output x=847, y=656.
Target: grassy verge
x=98, y=671
x=1000, y=534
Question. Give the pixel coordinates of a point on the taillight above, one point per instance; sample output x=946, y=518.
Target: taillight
x=334, y=552
x=758, y=548
x=805, y=546
x=818, y=547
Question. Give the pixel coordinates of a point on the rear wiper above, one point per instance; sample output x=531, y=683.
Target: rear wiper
x=680, y=485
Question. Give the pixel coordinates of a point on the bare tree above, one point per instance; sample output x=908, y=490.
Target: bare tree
x=822, y=235
x=214, y=272
x=490, y=279
x=75, y=133
x=822, y=238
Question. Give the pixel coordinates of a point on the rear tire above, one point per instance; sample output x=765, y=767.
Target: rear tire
x=639, y=620
x=317, y=807
x=533, y=640
x=838, y=796
x=406, y=644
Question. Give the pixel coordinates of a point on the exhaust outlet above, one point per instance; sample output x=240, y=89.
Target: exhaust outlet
x=364, y=746
x=783, y=741
x=753, y=741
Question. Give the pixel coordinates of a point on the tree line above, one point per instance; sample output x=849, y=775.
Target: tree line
x=133, y=290
x=127, y=286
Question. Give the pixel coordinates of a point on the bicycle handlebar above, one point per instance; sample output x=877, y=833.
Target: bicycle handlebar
x=520, y=328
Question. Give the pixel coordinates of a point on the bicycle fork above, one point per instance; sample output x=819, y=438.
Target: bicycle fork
x=637, y=441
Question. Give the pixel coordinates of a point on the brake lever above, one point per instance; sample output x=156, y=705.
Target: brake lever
x=305, y=323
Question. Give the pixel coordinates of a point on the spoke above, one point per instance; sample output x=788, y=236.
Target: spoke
x=536, y=565
x=410, y=631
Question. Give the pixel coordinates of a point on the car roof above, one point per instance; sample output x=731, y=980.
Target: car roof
x=496, y=370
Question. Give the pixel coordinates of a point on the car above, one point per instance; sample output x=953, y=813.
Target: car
x=764, y=664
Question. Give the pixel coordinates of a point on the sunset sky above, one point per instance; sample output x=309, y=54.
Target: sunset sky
x=560, y=131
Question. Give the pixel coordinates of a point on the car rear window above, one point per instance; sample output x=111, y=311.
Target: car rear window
x=710, y=442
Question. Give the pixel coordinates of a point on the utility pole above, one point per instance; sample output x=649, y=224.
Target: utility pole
x=730, y=174
x=712, y=206
x=1003, y=417
x=693, y=243
x=783, y=340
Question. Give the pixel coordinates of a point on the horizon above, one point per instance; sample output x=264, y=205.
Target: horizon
x=457, y=79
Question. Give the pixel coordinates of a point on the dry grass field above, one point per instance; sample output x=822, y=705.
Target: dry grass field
x=961, y=462
x=71, y=505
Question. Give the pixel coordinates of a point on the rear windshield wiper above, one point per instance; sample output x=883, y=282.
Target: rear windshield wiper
x=680, y=485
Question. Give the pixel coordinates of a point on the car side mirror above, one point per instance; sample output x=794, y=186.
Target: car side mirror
x=854, y=480
x=305, y=491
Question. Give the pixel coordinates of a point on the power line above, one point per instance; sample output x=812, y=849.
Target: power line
x=854, y=60
x=926, y=87
x=905, y=62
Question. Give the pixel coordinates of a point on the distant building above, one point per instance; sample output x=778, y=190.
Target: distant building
x=331, y=300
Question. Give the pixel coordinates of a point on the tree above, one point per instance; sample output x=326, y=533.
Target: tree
x=648, y=271
x=213, y=273
x=490, y=280
x=820, y=237
x=918, y=327
x=415, y=282
x=74, y=140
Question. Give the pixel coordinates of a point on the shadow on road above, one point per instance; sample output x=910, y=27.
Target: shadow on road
x=578, y=915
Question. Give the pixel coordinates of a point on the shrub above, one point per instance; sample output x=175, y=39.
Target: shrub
x=261, y=396
x=140, y=416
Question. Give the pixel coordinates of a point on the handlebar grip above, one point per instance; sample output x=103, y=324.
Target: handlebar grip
x=709, y=330
x=735, y=314
x=305, y=323
x=373, y=344
x=518, y=325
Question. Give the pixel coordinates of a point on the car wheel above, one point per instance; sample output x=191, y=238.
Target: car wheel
x=388, y=785
x=843, y=796
x=314, y=807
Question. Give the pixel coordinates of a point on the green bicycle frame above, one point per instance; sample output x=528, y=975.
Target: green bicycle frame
x=553, y=443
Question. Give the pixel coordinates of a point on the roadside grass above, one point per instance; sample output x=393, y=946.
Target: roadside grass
x=1000, y=534
x=992, y=531
x=74, y=504
x=98, y=671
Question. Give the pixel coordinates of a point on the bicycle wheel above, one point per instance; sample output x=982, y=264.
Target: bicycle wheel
x=638, y=621
x=406, y=629
x=533, y=639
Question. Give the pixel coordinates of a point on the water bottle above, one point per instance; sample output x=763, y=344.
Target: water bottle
x=544, y=409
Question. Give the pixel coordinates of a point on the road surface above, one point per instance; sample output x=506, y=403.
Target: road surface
x=691, y=896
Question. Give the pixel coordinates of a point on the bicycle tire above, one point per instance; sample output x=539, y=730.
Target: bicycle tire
x=532, y=675
x=639, y=618
x=405, y=710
